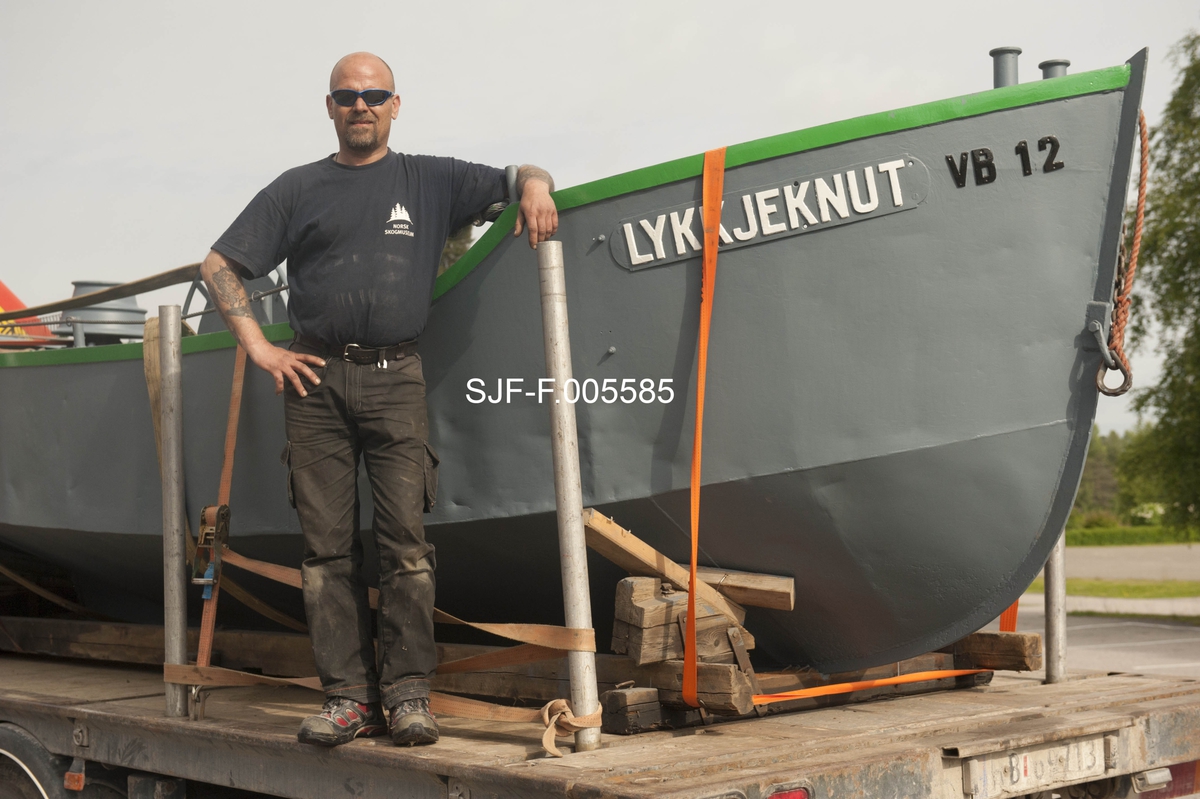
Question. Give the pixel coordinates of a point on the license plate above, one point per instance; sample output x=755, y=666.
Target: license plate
x=1033, y=768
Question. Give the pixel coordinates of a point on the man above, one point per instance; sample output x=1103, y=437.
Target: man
x=362, y=231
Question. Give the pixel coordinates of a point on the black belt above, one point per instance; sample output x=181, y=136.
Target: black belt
x=357, y=353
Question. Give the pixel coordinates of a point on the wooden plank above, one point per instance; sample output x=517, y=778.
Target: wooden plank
x=871, y=694
x=748, y=588
x=779, y=681
x=998, y=650
x=276, y=654
x=640, y=559
x=734, y=634
x=529, y=682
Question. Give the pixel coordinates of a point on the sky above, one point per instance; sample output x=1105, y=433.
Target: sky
x=134, y=132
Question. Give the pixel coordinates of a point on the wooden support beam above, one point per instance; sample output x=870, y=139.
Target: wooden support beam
x=529, y=682
x=639, y=558
x=773, y=682
x=275, y=654
x=998, y=650
x=748, y=588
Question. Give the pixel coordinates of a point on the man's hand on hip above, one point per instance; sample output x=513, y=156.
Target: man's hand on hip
x=227, y=293
x=537, y=211
x=284, y=364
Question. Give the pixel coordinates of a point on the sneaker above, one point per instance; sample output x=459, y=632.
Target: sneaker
x=411, y=723
x=341, y=721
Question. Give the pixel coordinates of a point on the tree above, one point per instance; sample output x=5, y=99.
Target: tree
x=1096, y=502
x=456, y=247
x=1140, y=493
x=1168, y=453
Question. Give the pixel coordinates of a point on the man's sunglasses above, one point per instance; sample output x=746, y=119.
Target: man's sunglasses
x=348, y=97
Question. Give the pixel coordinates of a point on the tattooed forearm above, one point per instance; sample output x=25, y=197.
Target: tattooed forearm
x=530, y=172
x=228, y=293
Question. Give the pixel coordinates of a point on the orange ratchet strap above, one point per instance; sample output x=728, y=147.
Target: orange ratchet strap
x=862, y=685
x=1008, y=619
x=712, y=188
x=209, y=619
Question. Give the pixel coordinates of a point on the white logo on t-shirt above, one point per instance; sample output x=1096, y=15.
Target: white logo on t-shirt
x=400, y=221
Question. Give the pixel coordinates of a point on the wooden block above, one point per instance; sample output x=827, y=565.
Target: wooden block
x=631, y=710
x=748, y=588
x=641, y=602
x=621, y=698
x=656, y=644
x=634, y=720
x=720, y=688
x=639, y=558
x=998, y=650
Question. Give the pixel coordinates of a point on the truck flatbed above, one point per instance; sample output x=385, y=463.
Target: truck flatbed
x=1010, y=738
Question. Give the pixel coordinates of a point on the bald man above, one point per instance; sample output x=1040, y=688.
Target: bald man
x=362, y=231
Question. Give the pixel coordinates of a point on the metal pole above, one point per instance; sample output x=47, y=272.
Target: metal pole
x=567, y=491
x=1004, y=66
x=78, y=334
x=1056, y=612
x=174, y=570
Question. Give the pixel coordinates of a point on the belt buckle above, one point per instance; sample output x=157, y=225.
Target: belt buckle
x=346, y=351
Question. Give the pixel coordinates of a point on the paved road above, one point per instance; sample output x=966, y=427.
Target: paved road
x=1098, y=643
x=1158, y=562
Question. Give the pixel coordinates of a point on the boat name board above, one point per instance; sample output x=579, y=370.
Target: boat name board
x=775, y=210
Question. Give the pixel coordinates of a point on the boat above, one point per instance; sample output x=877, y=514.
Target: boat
x=901, y=384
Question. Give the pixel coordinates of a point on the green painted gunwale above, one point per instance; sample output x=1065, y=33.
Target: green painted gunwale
x=1100, y=80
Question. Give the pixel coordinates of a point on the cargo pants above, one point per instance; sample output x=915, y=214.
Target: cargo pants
x=376, y=413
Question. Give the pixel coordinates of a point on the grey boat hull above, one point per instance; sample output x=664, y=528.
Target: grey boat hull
x=898, y=407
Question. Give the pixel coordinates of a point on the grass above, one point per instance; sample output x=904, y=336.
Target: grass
x=1124, y=536
x=1192, y=621
x=1126, y=589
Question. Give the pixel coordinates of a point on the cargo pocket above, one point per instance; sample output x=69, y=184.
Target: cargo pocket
x=431, y=478
x=285, y=458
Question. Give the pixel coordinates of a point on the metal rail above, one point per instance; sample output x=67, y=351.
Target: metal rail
x=171, y=277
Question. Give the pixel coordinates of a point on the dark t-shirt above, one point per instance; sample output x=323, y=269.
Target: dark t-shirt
x=362, y=243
